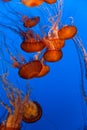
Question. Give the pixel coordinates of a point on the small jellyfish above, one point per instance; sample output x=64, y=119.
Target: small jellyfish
x=32, y=43
x=32, y=112
x=32, y=3
x=67, y=32
x=31, y=22
x=30, y=70
x=52, y=55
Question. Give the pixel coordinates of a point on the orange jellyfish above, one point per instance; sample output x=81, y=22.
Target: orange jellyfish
x=32, y=46
x=32, y=3
x=52, y=55
x=50, y=1
x=32, y=112
x=53, y=52
x=32, y=43
x=67, y=32
x=53, y=43
x=31, y=22
x=30, y=70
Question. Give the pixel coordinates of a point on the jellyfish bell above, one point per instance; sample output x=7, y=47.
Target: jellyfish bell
x=32, y=46
x=32, y=43
x=32, y=3
x=30, y=70
x=31, y=22
x=52, y=55
x=50, y=1
x=67, y=32
x=32, y=112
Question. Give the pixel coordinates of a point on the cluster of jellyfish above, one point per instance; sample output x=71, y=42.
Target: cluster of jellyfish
x=46, y=48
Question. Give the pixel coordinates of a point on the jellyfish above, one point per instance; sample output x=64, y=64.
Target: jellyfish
x=30, y=70
x=32, y=3
x=67, y=32
x=32, y=43
x=53, y=43
x=32, y=112
x=31, y=22
x=52, y=55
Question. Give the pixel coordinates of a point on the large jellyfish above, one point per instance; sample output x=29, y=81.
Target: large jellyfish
x=33, y=3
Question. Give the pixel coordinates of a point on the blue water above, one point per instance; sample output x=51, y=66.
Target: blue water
x=59, y=92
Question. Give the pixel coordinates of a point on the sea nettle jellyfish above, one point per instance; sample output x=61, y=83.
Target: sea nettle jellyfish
x=30, y=70
x=67, y=32
x=32, y=112
x=31, y=22
x=52, y=55
x=32, y=3
x=53, y=43
x=32, y=42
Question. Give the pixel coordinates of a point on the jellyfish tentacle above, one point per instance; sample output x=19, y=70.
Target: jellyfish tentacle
x=77, y=45
x=83, y=53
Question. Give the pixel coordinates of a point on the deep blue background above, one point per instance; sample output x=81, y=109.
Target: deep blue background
x=59, y=91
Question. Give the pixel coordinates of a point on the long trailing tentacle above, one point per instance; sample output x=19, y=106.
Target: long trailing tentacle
x=79, y=48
